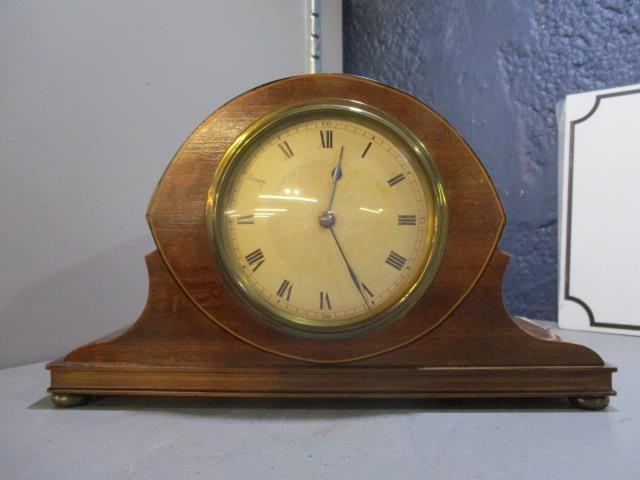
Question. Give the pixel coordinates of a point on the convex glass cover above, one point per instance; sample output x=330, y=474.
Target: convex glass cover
x=327, y=218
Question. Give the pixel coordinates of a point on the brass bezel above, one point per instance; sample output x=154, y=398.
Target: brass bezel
x=242, y=147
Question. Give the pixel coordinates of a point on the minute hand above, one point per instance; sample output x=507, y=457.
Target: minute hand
x=352, y=274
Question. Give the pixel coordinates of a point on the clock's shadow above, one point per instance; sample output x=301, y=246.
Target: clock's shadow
x=254, y=408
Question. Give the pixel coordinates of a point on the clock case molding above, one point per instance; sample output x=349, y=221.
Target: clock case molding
x=195, y=338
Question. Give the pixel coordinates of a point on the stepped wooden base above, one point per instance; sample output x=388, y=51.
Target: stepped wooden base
x=478, y=352
x=324, y=381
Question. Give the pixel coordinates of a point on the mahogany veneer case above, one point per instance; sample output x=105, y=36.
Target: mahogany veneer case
x=195, y=338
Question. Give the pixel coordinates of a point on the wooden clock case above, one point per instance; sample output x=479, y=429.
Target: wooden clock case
x=194, y=338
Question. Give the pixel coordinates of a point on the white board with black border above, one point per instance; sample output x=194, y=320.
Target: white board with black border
x=599, y=211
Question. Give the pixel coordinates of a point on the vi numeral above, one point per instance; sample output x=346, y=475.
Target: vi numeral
x=325, y=301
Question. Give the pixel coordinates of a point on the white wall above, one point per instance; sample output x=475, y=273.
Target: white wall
x=95, y=97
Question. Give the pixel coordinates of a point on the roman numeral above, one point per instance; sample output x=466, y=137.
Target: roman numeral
x=286, y=149
x=255, y=258
x=245, y=220
x=406, y=219
x=324, y=301
x=396, y=260
x=326, y=138
x=396, y=179
x=366, y=289
x=366, y=150
x=285, y=288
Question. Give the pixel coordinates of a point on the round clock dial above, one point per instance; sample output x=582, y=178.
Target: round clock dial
x=327, y=218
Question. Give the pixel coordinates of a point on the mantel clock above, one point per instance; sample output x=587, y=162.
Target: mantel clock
x=328, y=236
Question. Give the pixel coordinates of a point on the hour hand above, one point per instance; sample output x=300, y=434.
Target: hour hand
x=336, y=174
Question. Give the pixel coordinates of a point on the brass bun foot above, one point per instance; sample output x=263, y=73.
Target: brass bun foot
x=590, y=403
x=67, y=400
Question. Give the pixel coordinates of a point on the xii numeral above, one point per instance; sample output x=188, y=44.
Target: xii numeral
x=326, y=138
x=255, y=258
x=325, y=302
x=285, y=289
x=286, y=149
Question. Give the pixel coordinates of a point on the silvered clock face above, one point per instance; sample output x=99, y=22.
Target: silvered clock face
x=328, y=218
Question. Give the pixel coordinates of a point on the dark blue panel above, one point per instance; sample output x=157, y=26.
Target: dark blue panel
x=495, y=70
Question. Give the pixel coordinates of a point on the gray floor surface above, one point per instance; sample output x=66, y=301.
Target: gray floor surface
x=159, y=438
